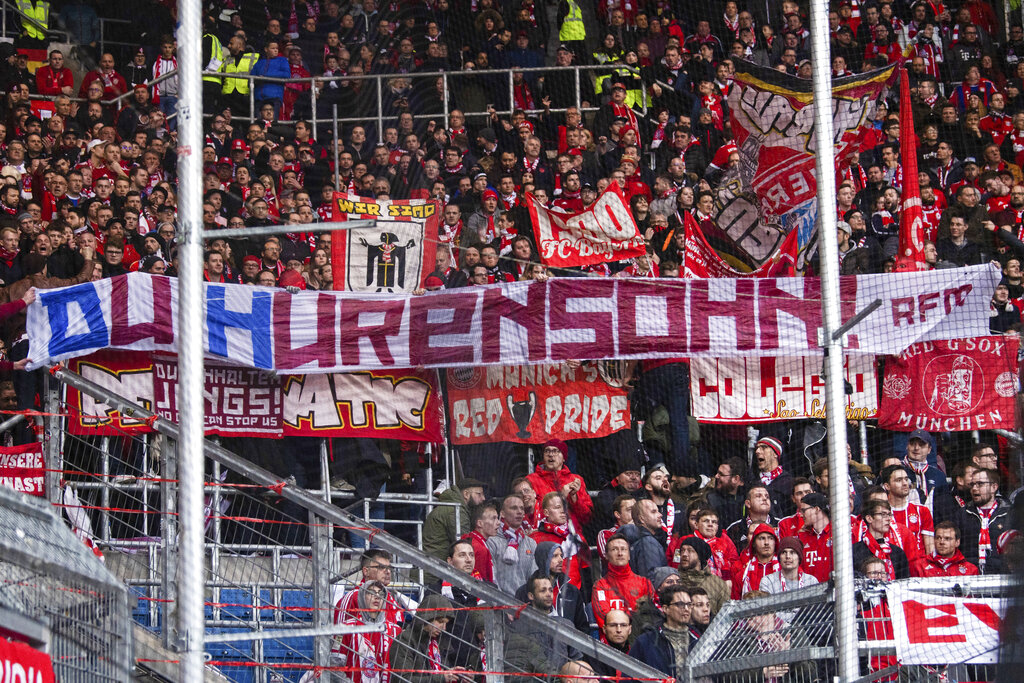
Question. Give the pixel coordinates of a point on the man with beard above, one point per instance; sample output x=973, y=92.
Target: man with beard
x=569, y=603
x=626, y=482
x=540, y=596
x=727, y=498
x=768, y=454
x=658, y=488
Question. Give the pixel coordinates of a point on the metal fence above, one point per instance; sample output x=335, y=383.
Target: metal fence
x=278, y=558
x=789, y=637
x=57, y=594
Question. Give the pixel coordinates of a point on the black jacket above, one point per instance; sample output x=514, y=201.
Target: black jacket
x=969, y=522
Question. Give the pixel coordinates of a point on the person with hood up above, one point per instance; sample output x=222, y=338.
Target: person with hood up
x=366, y=653
x=553, y=475
x=694, y=555
x=568, y=601
x=764, y=561
x=417, y=649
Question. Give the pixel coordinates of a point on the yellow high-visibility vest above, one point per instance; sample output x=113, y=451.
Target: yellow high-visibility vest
x=572, y=26
x=216, y=59
x=240, y=66
x=40, y=12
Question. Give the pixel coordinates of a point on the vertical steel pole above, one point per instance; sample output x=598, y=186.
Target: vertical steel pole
x=380, y=109
x=191, y=306
x=863, y=427
x=835, y=397
x=337, y=151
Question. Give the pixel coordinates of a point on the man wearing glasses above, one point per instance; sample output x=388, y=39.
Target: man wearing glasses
x=878, y=542
x=666, y=648
x=983, y=521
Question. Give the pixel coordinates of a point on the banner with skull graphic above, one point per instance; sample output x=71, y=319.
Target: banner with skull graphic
x=395, y=255
x=952, y=386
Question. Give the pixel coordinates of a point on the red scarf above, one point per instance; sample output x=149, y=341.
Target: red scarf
x=562, y=530
x=984, y=538
x=434, y=655
x=8, y=256
x=756, y=570
x=882, y=550
x=670, y=517
x=769, y=477
x=799, y=578
x=514, y=538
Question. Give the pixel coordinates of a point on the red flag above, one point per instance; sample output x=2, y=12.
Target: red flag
x=702, y=261
x=912, y=216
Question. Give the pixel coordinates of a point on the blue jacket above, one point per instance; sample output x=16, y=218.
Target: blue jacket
x=646, y=553
x=278, y=67
x=654, y=649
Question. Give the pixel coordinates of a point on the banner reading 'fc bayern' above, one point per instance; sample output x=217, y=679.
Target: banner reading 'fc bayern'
x=396, y=254
x=605, y=232
x=772, y=191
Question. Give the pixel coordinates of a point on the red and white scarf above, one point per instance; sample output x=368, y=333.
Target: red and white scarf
x=434, y=655
x=769, y=477
x=985, y=538
x=799, y=578
x=756, y=571
x=514, y=538
x=882, y=550
x=669, y=518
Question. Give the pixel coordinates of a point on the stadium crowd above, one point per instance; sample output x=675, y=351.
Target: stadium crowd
x=650, y=542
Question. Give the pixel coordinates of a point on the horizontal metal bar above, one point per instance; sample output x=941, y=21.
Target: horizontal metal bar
x=261, y=230
x=335, y=629
x=763, y=659
x=11, y=421
x=435, y=74
x=490, y=594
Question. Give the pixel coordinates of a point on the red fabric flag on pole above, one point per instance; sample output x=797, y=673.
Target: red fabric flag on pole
x=911, y=254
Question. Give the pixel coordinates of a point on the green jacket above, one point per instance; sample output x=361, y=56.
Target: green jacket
x=409, y=651
x=718, y=590
x=439, y=529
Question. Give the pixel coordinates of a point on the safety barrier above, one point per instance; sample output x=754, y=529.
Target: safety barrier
x=278, y=557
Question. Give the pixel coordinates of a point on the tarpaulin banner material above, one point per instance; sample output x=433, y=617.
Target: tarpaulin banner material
x=773, y=190
x=22, y=469
x=533, y=403
x=238, y=401
x=701, y=259
x=22, y=663
x=515, y=323
x=604, y=232
x=746, y=390
x=395, y=255
x=936, y=629
x=403, y=404
x=952, y=386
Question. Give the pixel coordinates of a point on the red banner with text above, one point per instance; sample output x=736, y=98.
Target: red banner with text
x=22, y=469
x=400, y=404
x=20, y=662
x=604, y=232
x=533, y=403
x=951, y=386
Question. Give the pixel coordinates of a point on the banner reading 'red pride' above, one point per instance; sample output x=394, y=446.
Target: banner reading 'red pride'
x=517, y=323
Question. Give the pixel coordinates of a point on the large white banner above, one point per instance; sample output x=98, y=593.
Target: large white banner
x=933, y=629
x=767, y=389
x=518, y=323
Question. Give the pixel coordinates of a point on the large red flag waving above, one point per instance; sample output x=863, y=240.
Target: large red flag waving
x=912, y=216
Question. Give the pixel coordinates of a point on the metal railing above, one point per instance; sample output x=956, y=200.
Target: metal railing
x=278, y=556
x=790, y=636
x=448, y=80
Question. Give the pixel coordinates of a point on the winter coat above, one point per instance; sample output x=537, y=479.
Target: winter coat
x=544, y=482
x=439, y=530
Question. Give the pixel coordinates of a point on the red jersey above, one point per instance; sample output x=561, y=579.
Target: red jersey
x=817, y=552
x=620, y=589
x=917, y=519
x=484, y=564
x=956, y=565
x=791, y=526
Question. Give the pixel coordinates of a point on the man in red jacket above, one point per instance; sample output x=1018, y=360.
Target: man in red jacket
x=763, y=561
x=620, y=588
x=947, y=560
x=552, y=475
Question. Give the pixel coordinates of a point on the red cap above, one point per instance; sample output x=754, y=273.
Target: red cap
x=239, y=144
x=225, y=161
x=252, y=259
x=433, y=281
x=291, y=278
x=489, y=194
